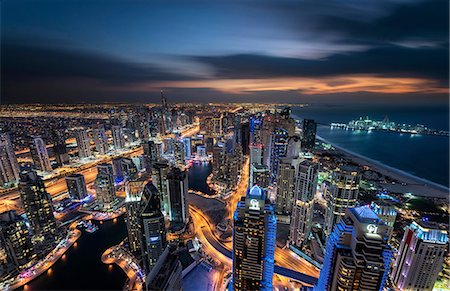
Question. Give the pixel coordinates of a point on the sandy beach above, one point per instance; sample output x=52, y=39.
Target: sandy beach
x=408, y=183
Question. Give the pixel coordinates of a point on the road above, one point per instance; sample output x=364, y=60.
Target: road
x=216, y=249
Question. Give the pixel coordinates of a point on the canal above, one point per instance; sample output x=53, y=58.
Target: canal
x=81, y=267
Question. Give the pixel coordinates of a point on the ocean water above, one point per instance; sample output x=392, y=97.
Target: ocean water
x=423, y=156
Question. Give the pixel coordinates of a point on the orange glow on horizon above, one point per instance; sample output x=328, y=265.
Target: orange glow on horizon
x=311, y=86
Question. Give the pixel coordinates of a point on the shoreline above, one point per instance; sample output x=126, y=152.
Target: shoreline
x=416, y=185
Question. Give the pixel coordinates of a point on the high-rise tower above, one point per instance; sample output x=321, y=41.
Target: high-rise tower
x=357, y=253
x=420, y=256
x=39, y=154
x=343, y=194
x=303, y=202
x=9, y=167
x=38, y=206
x=254, y=235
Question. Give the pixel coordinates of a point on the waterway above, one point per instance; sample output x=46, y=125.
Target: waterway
x=425, y=156
x=82, y=269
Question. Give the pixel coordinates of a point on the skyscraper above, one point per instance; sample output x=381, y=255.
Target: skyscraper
x=106, y=192
x=256, y=153
x=83, y=143
x=287, y=169
x=187, y=148
x=166, y=275
x=39, y=154
x=254, y=235
x=9, y=167
x=420, y=256
x=178, y=153
x=309, y=133
x=152, y=153
x=129, y=168
x=118, y=137
x=100, y=139
x=16, y=238
x=38, y=206
x=343, y=194
x=159, y=179
x=278, y=149
x=303, y=203
x=386, y=212
x=357, y=253
x=154, y=239
x=76, y=185
x=259, y=175
x=59, y=147
x=105, y=168
x=134, y=204
x=178, y=186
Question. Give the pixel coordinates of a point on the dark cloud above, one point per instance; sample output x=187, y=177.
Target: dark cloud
x=30, y=71
x=393, y=61
x=24, y=62
x=423, y=20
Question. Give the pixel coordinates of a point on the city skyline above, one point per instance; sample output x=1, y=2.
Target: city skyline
x=224, y=145
x=276, y=51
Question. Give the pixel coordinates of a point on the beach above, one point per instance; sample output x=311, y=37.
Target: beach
x=407, y=183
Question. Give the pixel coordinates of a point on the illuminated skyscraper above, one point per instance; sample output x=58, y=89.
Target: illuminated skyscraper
x=256, y=153
x=178, y=186
x=83, y=143
x=100, y=139
x=118, y=137
x=76, y=185
x=259, y=175
x=9, y=167
x=278, y=149
x=303, y=203
x=343, y=194
x=178, y=153
x=106, y=192
x=287, y=169
x=154, y=239
x=386, y=212
x=105, y=168
x=134, y=205
x=420, y=256
x=129, y=168
x=309, y=133
x=38, y=206
x=254, y=235
x=16, y=238
x=152, y=153
x=187, y=147
x=357, y=253
x=39, y=154
x=159, y=179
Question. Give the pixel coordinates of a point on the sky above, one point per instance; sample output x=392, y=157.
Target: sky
x=333, y=51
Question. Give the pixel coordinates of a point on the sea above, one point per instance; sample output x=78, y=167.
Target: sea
x=424, y=156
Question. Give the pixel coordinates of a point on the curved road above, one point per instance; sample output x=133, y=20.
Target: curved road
x=207, y=233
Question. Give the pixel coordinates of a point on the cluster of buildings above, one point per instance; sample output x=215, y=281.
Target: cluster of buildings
x=357, y=252
x=24, y=240
x=350, y=241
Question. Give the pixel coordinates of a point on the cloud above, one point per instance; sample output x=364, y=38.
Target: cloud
x=390, y=61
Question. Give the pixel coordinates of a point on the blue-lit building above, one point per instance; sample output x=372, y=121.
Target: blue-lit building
x=278, y=149
x=357, y=254
x=254, y=237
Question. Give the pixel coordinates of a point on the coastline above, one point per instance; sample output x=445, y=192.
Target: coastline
x=408, y=182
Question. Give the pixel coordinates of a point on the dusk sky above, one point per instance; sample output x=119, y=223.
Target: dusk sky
x=213, y=51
